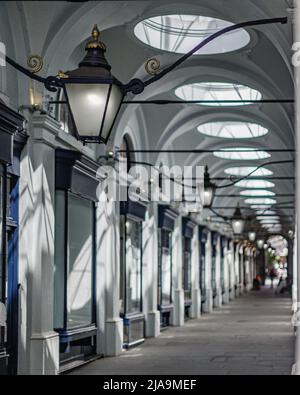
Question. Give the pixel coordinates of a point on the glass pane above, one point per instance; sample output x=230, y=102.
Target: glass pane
x=222, y=273
x=213, y=271
x=114, y=102
x=133, y=266
x=87, y=103
x=187, y=285
x=59, y=259
x=80, y=262
x=166, y=276
x=202, y=269
x=165, y=267
x=122, y=266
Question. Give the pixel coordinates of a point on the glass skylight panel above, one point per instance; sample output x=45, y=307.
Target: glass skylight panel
x=257, y=192
x=181, y=33
x=269, y=221
x=261, y=206
x=266, y=212
x=241, y=153
x=232, y=130
x=260, y=201
x=273, y=228
x=267, y=218
x=255, y=184
x=216, y=92
x=246, y=170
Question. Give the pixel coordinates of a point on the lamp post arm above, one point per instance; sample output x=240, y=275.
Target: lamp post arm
x=137, y=86
x=25, y=71
x=51, y=83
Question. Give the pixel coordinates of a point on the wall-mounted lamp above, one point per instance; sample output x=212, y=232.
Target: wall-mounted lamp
x=209, y=190
x=237, y=221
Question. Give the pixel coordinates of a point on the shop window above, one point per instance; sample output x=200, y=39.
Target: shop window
x=186, y=275
x=202, y=272
x=165, y=268
x=74, y=302
x=73, y=261
x=131, y=265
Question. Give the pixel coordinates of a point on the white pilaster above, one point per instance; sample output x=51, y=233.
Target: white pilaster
x=178, y=293
x=38, y=343
x=218, y=297
x=150, y=271
x=208, y=305
x=196, y=293
x=227, y=257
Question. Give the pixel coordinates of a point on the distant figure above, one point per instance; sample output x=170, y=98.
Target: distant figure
x=273, y=275
x=284, y=285
x=256, y=283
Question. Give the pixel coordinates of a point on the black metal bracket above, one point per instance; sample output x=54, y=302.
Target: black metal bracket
x=137, y=86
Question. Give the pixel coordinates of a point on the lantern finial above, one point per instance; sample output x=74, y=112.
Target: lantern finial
x=95, y=43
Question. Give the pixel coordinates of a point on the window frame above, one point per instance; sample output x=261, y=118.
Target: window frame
x=93, y=323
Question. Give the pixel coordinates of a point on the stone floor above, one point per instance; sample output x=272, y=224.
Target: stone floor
x=252, y=335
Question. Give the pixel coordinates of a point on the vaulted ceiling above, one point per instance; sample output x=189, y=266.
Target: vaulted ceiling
x=58, y=30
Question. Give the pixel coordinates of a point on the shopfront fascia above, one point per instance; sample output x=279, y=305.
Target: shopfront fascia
x=188, y=226
x=166, y=225
x=131, y=271
x=75, y=257
x=12, y=141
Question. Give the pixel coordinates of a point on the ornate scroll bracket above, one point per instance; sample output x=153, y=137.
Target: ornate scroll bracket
x=35, y=63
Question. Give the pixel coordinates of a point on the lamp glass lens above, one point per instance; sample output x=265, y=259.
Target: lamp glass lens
x=208, y=197
x=87, y=103
x=252, y=236
x=238, y=226
x=260, y=244
x=114, y=102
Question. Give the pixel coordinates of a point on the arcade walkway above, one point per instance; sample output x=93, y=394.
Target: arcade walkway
x=251, y=335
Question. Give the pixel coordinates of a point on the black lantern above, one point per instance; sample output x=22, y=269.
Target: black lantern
x=209, y=189
x=237, y=221
x=93, y=95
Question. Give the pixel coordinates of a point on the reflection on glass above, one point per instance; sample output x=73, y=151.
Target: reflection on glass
x=73, y=279
x=202, y=271
x=213, y=274
x=165, y=268
x=79, y=281
x=59, y=258
x=133, y=266
x=187, y=280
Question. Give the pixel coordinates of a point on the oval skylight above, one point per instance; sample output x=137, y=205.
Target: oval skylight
x=246, y=170
x=271, y=222
x=260, y=206
x=241, y=153
x=214, y=92
x=268, y=218
x=260, y=201
x=255, y=184
x=232, y=130
x=273, y=228
x=257, y=192
x=181, y=33
x=266, y=212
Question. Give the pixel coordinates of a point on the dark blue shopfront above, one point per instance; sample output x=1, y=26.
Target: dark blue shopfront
x=12, y=140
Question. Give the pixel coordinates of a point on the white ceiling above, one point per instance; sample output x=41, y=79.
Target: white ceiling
x=57, y=31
